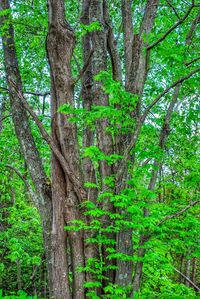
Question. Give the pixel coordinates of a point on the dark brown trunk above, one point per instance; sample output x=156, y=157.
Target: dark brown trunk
x=60, y=44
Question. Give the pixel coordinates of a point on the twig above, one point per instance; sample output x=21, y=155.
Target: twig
x=4, y=117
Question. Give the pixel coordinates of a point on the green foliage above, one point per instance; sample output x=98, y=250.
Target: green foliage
x=20, y=295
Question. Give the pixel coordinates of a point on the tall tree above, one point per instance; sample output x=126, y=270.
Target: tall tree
x=112, y=201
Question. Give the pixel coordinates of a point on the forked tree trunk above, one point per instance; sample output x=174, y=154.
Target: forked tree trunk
x=65, y=198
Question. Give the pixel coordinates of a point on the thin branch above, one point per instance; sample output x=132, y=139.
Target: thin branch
x=192, y=29
x=188, y=279
x=180, y=212
x=21, y=176
x=64, y=163
x=112, y=47
x=84, y=69
x=171, y=29
x=173, y=8
x=141, y=121
x=146, y=162
x=39, y=94
x=181, y=80
x=192, y=61
x=28, y=186
x=4, y=117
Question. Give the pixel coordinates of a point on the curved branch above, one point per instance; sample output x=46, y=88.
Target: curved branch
x=171, y=29
x=181, y=80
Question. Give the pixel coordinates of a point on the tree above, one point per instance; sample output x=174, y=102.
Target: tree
x=112, y=193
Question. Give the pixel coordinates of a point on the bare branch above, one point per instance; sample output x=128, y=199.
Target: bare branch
x=180, y=212
x=4, y=117
x=38, y=94
x=145, y=162
x=189, y=280
x=192, y=29
x=192, y=61
x=173, y=8
x=181, y=80
x=171, y=29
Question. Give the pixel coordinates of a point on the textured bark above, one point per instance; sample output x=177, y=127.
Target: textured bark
x=136, y=72
x=128, y=35
x=87, y=97
x=112, y=46
x=60, y=44
x=187, y=272
x=139, y=60
x=104, y=139
x=88, y=138
x=23, y=133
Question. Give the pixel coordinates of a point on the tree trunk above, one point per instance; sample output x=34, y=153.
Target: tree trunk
x=66, y=200
x=104, y=139
x=24, y=135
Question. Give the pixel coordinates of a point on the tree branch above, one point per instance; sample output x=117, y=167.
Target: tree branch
x=173, y=8
x=179, y=212
x=112, y=47
x=4, y=117
x=38, y=94
x=189, y=280
x=142, y=119
x=28, y=186
x=171, y=29
x=84, y=69
x=21, y=176
x=192, y=29
x=64, y=163
x=181, y=80
x=192, y=61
